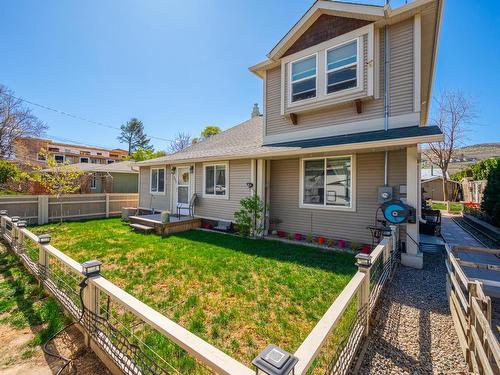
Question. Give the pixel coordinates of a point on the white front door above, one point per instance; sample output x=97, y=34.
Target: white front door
x=183, y=189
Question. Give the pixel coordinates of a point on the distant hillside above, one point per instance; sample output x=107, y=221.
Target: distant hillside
x=467, y=155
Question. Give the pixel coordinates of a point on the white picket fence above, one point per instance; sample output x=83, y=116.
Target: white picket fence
x=124, y=332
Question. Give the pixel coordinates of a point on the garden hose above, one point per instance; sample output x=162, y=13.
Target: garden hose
x=67, y=361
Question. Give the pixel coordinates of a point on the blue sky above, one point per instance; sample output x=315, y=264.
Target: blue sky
x=182, y=65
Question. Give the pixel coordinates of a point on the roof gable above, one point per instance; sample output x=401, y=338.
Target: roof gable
x=324, y=28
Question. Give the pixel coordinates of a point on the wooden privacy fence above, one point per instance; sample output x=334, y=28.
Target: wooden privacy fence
x=471, y=312
x=41, y=209
x=132, y=338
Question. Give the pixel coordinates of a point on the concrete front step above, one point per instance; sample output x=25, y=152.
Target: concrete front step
x=141, y=228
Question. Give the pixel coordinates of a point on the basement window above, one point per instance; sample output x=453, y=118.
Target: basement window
x=327, y=182
x=157, y=180
x=303, y=78
x=342, y=67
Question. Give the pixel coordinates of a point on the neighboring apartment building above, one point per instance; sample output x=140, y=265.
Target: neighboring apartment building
x=34, y=150
x=346, y=101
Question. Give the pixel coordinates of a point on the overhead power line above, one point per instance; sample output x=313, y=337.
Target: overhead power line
x=67, y=114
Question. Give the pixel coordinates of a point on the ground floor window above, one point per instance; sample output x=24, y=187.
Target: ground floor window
x=157, y=180
x=215, y=178
x=327, y=182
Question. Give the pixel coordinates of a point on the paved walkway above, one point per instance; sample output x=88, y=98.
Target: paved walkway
x=455, y=235
x=413, y=332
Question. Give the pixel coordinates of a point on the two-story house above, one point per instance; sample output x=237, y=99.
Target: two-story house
x=347, y=93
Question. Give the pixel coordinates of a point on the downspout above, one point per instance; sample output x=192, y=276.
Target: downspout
x=386, y=92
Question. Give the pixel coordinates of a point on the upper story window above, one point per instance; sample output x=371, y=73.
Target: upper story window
x=84, y=160
x=157, y=180
x=216, y=178
x=342, y=67
x=303, y=78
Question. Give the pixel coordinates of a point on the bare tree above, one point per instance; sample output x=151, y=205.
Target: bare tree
x=453, y=114
x=181, y=141
x=16, y=121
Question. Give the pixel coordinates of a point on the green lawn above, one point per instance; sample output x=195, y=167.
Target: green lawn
x=238, y=294
x=454, y=207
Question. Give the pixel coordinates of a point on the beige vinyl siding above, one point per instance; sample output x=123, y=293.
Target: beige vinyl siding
x=351, y=226
x=157, y=201
x=401, y=83
x=239, y=175
x=401, y=90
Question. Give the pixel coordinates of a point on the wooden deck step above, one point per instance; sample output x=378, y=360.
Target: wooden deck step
x=141, y=228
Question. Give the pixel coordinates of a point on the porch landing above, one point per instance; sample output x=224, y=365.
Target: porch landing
x=175, y=224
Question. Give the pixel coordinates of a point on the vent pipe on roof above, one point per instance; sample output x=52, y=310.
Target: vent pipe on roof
x=255, y=110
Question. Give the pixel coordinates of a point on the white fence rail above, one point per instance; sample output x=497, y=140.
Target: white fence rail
x=132, y=338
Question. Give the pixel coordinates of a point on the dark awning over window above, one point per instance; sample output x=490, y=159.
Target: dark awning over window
x=379, y=135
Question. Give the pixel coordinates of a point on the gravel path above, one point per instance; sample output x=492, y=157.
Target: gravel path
x=413, y=332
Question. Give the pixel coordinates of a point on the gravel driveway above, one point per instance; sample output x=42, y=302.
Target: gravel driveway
x=413, y=332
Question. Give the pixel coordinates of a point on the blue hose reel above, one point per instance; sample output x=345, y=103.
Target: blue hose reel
x=397, y=212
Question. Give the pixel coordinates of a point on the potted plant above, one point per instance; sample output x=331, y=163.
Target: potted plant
x=355, y=246
x=341, y=244
x=321, y=240
x=281, y=233
x=309, y=238
x=273, y=223
x=290, y=237
x=298, y=237
x=331, y=242
x=165, y=216
x=365, y=249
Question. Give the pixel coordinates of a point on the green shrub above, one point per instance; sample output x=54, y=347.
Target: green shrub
x=491, y=197
x=8, y=170
x=477, y=171
x=249, y=217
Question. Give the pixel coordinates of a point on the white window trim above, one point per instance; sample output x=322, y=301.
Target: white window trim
x=290, y=91
x=164, y=192
x=359, y=71
x=84, y=157
x=351, y=208
x=214, y=196
x=93, y=183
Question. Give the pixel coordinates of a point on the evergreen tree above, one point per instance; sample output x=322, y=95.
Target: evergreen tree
x=491, y=197
x=132, y=133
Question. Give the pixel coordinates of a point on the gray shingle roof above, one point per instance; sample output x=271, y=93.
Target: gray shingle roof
x=243, y=140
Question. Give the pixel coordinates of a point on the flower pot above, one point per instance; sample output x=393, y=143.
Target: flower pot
x=165, y=216
x=298, y=237
x=281, y=233
x=321, y=240
x=341, y=244
x=365, y=249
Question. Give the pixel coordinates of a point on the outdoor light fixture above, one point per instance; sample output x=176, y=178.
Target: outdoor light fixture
x=44, y=239
x=275, y=361
x=91, y=268
x=173, y=170
x=191, y=169
x=3, y=212
x=249, y=185
x=364, y=260
x=21, y=224
x=14, y=219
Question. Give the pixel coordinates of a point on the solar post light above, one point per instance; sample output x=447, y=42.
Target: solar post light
x=3, y=212
x=14, y=219
x=275, y=361
x=44, y=239
x=363, y=260
x=21, y=224
x=91, y=268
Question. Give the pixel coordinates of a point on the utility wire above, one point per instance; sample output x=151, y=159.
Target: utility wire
x=97, y=123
